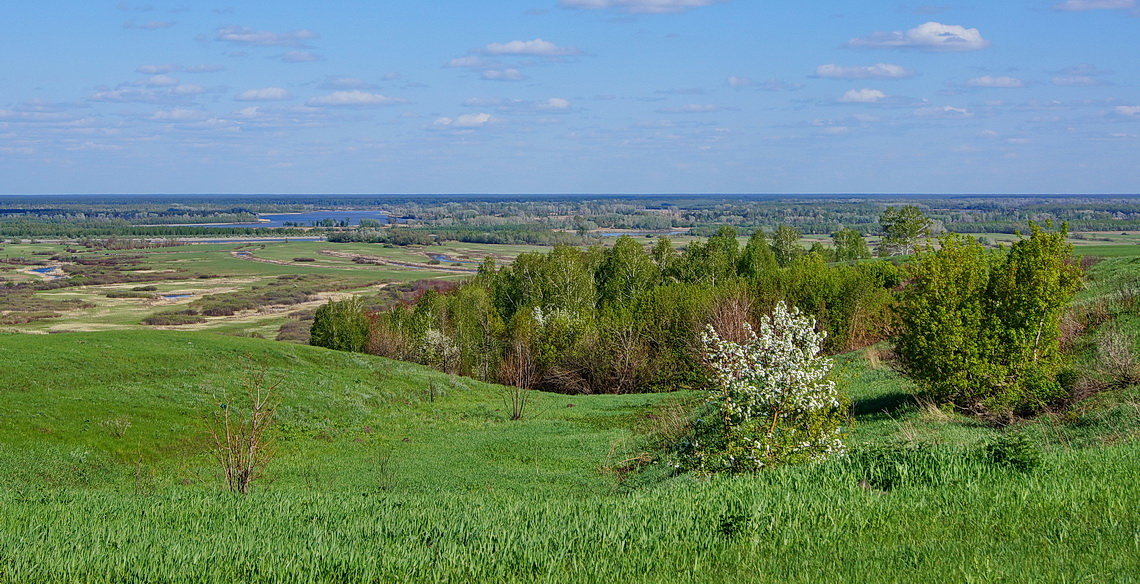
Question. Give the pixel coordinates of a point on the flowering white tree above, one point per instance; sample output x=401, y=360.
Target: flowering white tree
x=773, y=396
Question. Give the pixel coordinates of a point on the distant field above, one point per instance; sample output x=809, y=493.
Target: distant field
x=232, y=268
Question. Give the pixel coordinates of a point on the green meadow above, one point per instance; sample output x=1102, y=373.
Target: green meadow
x=384, y=471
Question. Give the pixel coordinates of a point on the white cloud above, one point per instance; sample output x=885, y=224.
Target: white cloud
x=301, y=57
x=945, y=111
x=177, y=115
x=158, y=69
x=1083, y=5
x=554, y=104
x=930, y=36
x=354, y=98
x=1083, y=75
x=241, y=35
x=346, y=83
x=188, y=89
x=863, y=96
x=508, y=74
x=534, y=48
x=465, y=121
x=265, y=94
x=738, y=82
x=161, y=81
x=126, y=95
x=1128, y=110
x=639, y=6
x=1077, y=81
x=990, y=81
x=877, y=71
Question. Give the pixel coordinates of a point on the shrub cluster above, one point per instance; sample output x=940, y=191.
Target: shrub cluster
x=626, y=319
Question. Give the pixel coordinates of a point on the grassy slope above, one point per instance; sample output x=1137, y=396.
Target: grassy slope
x=375, y=481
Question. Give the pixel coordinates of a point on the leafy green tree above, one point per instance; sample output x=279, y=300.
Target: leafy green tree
x=786, y=244
x=756, y=258
x=901, y=229
x=664, y=255
x=850, y=245
x=981, y=329
x=625, y=272
x=340, y=325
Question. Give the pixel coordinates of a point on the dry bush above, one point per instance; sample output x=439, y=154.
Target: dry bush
x=729, y=315
x=386, y=341
x=517, y=373
x=240, y=429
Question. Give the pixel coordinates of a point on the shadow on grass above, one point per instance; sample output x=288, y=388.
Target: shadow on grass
x=885, y=405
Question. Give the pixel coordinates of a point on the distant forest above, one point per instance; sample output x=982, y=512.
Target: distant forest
x=548, y=220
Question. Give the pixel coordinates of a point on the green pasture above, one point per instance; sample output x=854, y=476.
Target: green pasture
x=387, y=471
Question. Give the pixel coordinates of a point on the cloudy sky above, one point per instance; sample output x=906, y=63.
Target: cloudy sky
x=570, y=96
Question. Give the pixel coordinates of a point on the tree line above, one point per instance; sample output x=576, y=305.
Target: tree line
x=624, y=318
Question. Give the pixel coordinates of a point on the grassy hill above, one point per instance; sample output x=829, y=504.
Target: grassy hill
x=386, y=471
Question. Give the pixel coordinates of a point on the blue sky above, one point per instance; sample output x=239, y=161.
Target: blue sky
x=570, y=96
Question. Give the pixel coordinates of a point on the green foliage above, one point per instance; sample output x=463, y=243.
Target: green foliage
x=981, y=329
x=1015, y=450
x=624, y=319
x=773, y=401
x=786, y=244
x=340, y=325
x=850, y=245
x=901, y=229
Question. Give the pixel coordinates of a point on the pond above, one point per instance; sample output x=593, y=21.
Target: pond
x=439, y=257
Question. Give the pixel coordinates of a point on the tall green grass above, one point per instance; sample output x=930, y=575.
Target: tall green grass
x=379, y=479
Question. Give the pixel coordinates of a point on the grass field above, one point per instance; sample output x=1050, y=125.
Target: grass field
x=378, y=477
x=389, y=472
x=232, y=268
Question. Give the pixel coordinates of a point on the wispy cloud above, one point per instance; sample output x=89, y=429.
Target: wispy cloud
x=264, y=94
x=943, y=112
x=863, y=96
x=877, y=71
x=354, y=98
x=508, y=74
x=465, y=121
x=240, y=35
x=532, y=48
x=1083, y=75
x=997, y=82
x=930, y=36
x=639, y=6
x=1084, y=5
x=301, y=57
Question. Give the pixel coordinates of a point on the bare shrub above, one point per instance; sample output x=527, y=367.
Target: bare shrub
x=517, y=373
x=240, y=429
x=729, y=315
x=385, y=340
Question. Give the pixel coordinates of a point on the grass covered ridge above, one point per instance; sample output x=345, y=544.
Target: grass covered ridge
x=378, y=477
